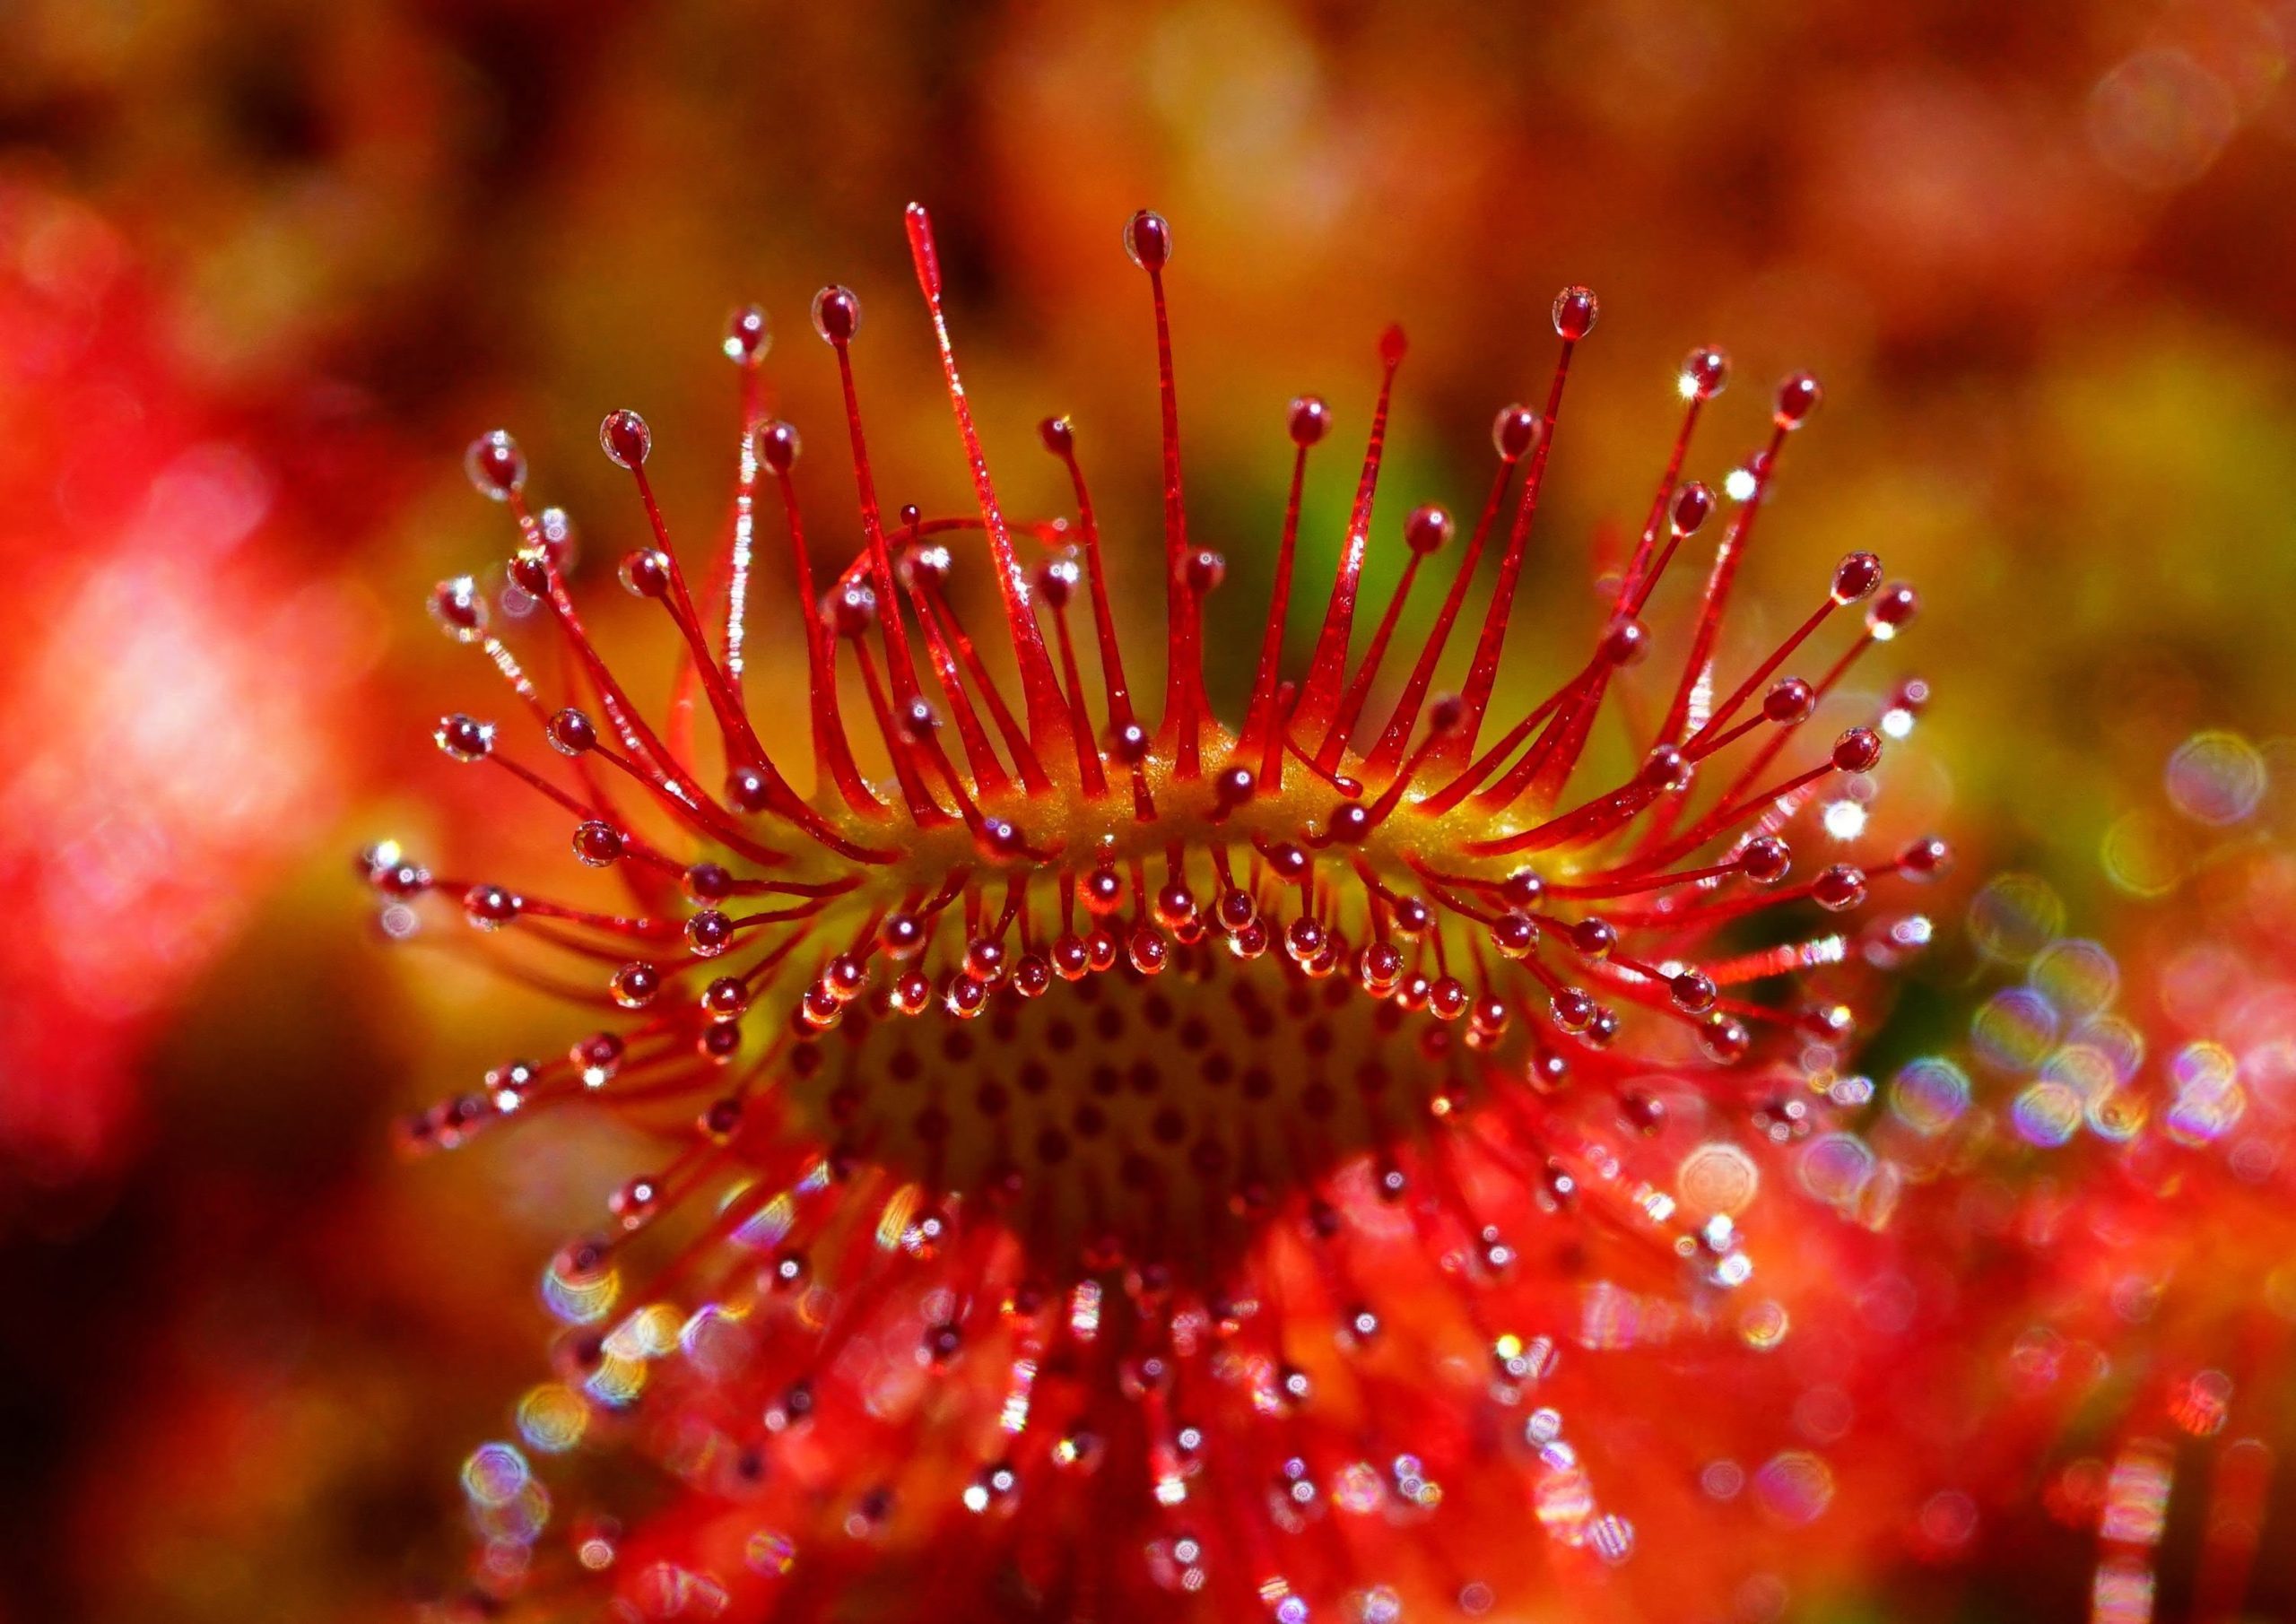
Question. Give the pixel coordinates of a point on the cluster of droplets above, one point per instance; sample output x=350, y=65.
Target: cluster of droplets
x=1346, y=999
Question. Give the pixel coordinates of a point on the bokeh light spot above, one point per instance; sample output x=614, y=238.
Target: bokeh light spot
x=2142, y=856
x=494, y=1473
x=553, y=1418
x=1717, y=1177
x=1795, y=1486
x=2216, y=779
x=2016, y=917
x=2014, y=1029
x=1929, y=1094
x=2078, y=978
x=2160, y=118
x=2047, y=1114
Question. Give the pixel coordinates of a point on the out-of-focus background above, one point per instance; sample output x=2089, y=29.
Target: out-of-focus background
x=266, y=266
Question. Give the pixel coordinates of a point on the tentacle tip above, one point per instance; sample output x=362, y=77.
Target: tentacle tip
x=1148, y=240
x=921, y=247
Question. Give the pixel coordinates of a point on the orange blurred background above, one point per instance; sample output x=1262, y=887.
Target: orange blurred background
x=265, y=268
